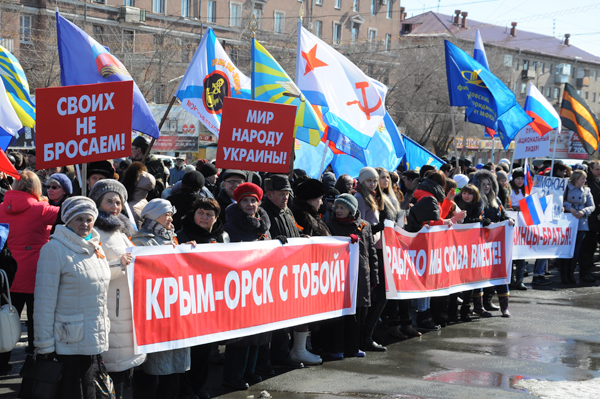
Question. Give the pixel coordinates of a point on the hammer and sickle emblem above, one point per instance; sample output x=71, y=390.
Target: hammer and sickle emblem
x=472, y=77
x=365, y=108
x=216, y=89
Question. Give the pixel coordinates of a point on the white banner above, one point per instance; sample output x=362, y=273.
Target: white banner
x=548, y=240
x=529, y=144
x=554, y=186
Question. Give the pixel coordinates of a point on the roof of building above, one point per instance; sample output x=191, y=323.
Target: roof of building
x=435, y=24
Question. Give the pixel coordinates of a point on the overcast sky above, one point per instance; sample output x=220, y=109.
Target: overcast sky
x=580, y=18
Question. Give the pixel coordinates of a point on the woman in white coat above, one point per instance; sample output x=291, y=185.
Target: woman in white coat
x=114, y=229
x=70, y=313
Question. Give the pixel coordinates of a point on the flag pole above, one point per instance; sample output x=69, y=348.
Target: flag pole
x=293, y=153
x=493, y=149
x=84, y=179
x=160, y=125
x=554, y=151
x=455, y=138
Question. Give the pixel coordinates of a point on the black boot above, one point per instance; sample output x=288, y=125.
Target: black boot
x=488, y=293
x=439, y=310
x=371, y=321
x=503, y=299
x=571, y=271
x=585, y=274
x=564, y=271
x=478, y=305
x=453, y=308
x=518, y=280
x=425, y=322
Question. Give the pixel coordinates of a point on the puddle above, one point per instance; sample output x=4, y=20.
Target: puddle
x=472, y=377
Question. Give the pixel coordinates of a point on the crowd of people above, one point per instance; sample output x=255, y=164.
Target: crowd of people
x=71, y=256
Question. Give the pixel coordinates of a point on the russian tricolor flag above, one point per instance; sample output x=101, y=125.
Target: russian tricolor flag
x=545, y=118
x=528, y=179
x=533, y=209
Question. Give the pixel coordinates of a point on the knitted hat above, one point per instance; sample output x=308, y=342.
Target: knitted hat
x=63, y=180
x=332, y=194
x=518, y=173
x=207, y=170
x=309, y=189
x=461, y=181
x=247, y=190
x=367, y=173
x=77, y=205
x=156, y=208
x=504, y=160
x=501, y=175
x=348, y=201
x=193, y=179
x=107, y=186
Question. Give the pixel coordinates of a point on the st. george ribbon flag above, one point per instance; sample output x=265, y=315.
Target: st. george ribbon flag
x=85, y=61
x=210, y=77
x=489, y=102
x=352, y=104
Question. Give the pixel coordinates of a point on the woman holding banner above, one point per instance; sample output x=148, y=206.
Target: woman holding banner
x=517, y=193
x=579, y=202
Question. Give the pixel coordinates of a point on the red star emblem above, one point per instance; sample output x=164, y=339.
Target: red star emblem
x=312, y=61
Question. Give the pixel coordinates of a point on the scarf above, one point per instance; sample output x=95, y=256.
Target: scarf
x=158, y=229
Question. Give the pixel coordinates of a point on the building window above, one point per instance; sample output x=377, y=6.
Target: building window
x=514, y=87
x=516, y=64
x=525, y=65
x=507, y=60
x=211, y=11
x=338, y=4
x=98, y=33
x=595, y=75
x=523, y=88
x=157, y=6
x=319, y=2
x=233, y=54
x=542, y=68
x=279, y=26
x=25, y=29
x=128, y=41
x=372, y=35
x=388, y=13
x=319, y=29
x=573, y=70
x=185, y=8
x=388, y=40
x=355, y=31
x=355, y=6
x=587, y=93
x=373, y=7
x=541, y=89
x=550, y=69
x=406, y=28
x=556, y=93
x=593, y=97
x=337, y=33
x=548, y=91
x=235, y=14
x=128, y=3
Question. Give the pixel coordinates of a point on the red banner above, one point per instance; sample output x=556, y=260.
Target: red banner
x=256, y=135
x=184, y=296
x=438, y=261
x=85, y=123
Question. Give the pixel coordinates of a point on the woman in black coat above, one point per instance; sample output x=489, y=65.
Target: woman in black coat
x=307, y=202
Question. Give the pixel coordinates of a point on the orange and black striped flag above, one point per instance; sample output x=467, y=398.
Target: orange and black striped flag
x=577, y=116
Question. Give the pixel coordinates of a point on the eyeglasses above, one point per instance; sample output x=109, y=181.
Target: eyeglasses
x=234, y=181
x=53, y=187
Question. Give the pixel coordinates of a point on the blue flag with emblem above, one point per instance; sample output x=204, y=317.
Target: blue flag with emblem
x=85, y=61
x=417, y=156
x=17, y=88
x=488, y=101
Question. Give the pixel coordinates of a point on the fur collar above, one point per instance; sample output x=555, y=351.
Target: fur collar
x=260, y=225
x=109, y=223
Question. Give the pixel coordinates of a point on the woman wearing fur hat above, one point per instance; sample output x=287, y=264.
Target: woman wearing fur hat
x=493, y=210
x=114, y=228
x=246, y=221
x=71, y=287
x=167, y=366
x=307, y=202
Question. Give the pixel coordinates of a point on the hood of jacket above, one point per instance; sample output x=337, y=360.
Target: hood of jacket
x=16, y=202
x=431, y=187
x=75, y=242
x=483, y=174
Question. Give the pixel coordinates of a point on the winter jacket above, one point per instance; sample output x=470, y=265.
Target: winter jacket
x=474, y=210
x=224, y=201
x=114, y=233
x=71, y=286
x=182, y=202
x=495, y=214
x=580, y=199
x=176, y=174
x=307, y=217
x=594, y=186
x=429, y=196
x=242, y=227
x=282, y=220
x=169, y=361
x=192, y=232
x=30, y=222
x=137, y=196
x=367, y=261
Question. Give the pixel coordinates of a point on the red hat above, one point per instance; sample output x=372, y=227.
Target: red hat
x=247, y=190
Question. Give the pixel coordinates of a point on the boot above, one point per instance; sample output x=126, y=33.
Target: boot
x=519, y=272
x=439, y=310
x=571, y=271
x=299, y=352
x=465, y=313
x=453, y=308
x=367, y=343
x=425, y=322
x=488, y=293
x=478, y=305
x=564, y=271
x=585, y=274
x=503, y=299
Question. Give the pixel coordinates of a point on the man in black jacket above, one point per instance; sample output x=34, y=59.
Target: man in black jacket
x=590, y=242
x=232, y=178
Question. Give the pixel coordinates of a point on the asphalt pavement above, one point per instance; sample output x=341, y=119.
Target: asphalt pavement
x=552, y=334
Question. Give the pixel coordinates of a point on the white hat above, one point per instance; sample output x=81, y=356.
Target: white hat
x=504, y=160
x=461, y=181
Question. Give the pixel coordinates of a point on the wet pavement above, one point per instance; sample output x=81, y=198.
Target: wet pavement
x=553, y=334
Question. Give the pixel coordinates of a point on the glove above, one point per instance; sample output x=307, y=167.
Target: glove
x=376, y=228
x=353, y=238
x=486, y=222
x=283, y=239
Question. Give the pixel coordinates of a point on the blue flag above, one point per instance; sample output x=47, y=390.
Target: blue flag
x=84, y=61
x=417, y=156
x=309, y=158
x=489, y=102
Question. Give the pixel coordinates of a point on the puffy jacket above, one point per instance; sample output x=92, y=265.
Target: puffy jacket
x=71, y=286
x=242, y=227
x=30, y=222
x=113, y=236
x=170, y=361
x=429, y=196
x=580, y=199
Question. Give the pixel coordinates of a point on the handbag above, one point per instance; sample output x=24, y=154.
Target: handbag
x=10, y=323
x=105, y=388
x=41, y=378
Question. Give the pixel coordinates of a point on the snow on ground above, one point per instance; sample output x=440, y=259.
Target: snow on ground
x=562, y=389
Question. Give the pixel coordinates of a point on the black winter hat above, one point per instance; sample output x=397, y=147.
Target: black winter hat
x=140, y=142
x=309, y=189
x=104, y=168
x=207, y=170
x=193, y=179
x=332, y=195
x=517, y=173
x=277, y=183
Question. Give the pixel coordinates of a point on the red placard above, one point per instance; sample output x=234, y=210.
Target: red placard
x=85, y=123
x=256, y=136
